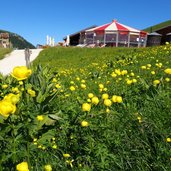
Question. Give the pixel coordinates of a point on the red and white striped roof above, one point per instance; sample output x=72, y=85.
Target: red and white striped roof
x=115, y=27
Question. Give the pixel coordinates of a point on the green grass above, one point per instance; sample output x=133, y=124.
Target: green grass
x=4, y=51
x=130, y=135
x=65, y=58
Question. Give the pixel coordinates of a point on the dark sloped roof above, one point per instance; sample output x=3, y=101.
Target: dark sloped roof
x=78, y=32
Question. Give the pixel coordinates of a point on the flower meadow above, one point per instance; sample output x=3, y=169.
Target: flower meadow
x=106, y=114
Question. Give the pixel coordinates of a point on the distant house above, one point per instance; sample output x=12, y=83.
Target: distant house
x=159, y=34
x=4, y=40
x=77, y=38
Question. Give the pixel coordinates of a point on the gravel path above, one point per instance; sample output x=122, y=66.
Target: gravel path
x=16, y=58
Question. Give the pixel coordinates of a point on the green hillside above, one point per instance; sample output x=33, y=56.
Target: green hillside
x=158, y=26
x=100, y=109
x=17, y=41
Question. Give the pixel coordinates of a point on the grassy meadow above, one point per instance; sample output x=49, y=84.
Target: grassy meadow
x=4, y=51
x=88, y=109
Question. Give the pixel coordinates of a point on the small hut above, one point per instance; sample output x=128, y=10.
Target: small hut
x=154, y=39
x=4, y=40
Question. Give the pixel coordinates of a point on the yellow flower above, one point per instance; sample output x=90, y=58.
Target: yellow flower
x=143, y=67
x=113, y=75
x=114, y=98
x=12, y=98
x=153, y=72
x=58, y=86
x=22, y=166
x=124, y=72
x=54, y=146
x=83, y=86
x=149, y=65
x=4, y=86
x=40, y=117
x=54, y=80
x=167, y=79
x=132, y=74
x=134, y=80
x=119, y=99
x=20, y=82
x=84, y=124
x=82, y=81
x=107, y=110
x=21, y=72
x=86, y=107
x=48, y=167
x=31, y=92
x=156, y=82
x=101, y=86
x=72, y=88
x=95, y=100
x=66, y=155
x=107, y=102
x=168, y=139
x=105, y=96
x=167, y=71
x=90, y=95
x=129, y=82
x=7, y=108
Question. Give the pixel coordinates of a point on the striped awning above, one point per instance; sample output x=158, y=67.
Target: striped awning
x=113, y=27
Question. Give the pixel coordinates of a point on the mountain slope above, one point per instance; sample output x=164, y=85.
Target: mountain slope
x=17, y=41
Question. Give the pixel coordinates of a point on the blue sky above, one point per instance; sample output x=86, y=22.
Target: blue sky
x=34, y=19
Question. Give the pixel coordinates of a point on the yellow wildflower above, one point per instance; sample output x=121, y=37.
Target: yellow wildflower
x=84, y=124
x=40, y=117
x=107, y=102
x=31, y=92
x=167, y=71
x=167, y=79
x=156, y=82
x=72, y=88
x=22, y=166
x=95, y=100
x=7, y=108
x=21, y=72
x=48, y=167
x=90, y=95
x=105, y=96
x=168, y=139
x=4, y=86
x=86, y=107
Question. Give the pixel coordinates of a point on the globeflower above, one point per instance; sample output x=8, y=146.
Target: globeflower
x=40, y=117
x=72, y=88
x=90, y=95
x=105, y=96
x=22, y=166
x=12, y=98
x=156, y=82
x=84, y=124
x=4, y=86
x=31, y=92
x=95, y=100
x=21, y=73
x=107, y=102
x=86, y=107
x=48, y=167
x=7, y=108
x=167, y=71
